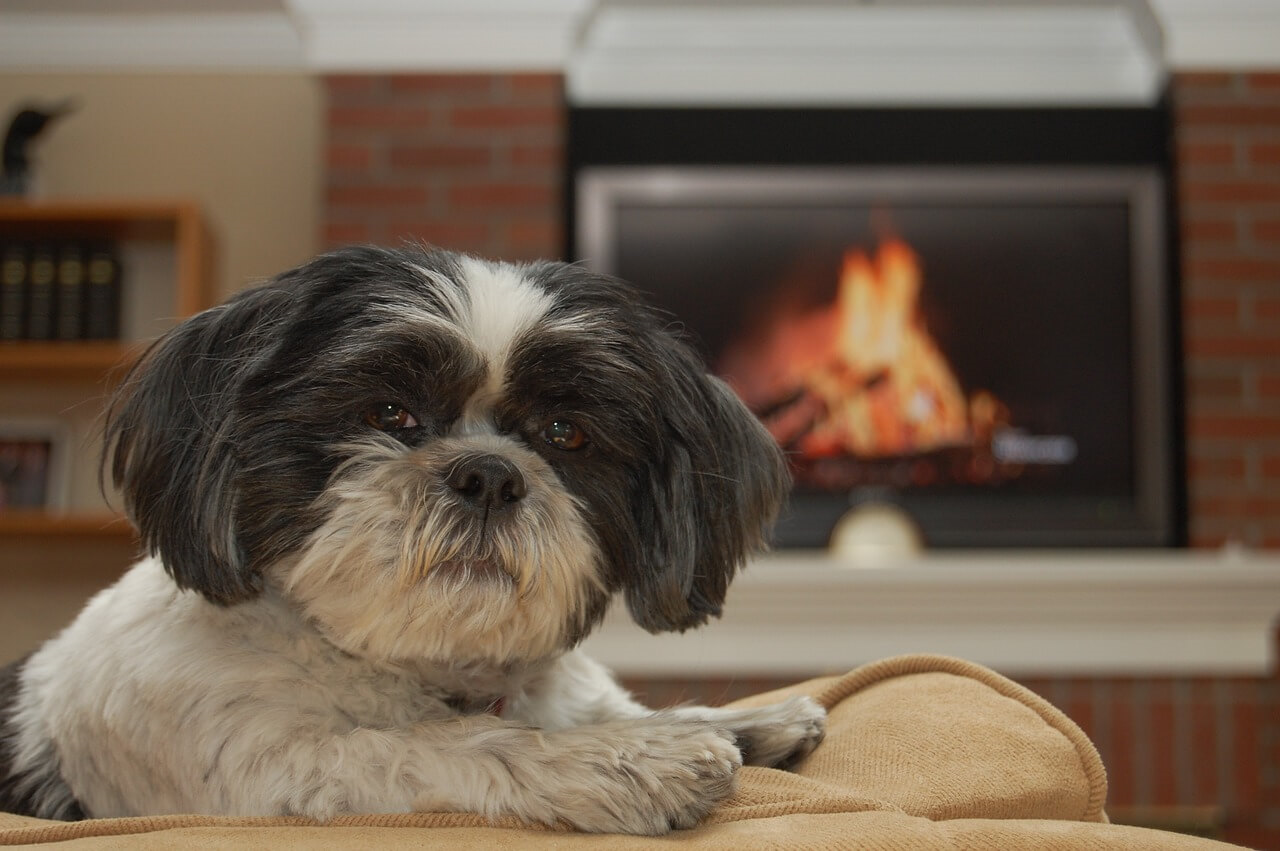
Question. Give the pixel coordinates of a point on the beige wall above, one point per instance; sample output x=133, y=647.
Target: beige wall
x=247, y=147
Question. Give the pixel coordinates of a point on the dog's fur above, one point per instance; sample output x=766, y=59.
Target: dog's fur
x=385, y=496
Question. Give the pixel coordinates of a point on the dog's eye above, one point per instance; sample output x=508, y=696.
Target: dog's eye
x=389, y=417
x=565, y=435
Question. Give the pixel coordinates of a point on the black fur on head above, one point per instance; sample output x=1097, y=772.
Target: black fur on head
x=696, y=481
x=229, y=429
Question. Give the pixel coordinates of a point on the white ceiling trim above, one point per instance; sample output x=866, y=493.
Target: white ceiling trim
x=197, y=41
x=462, y=35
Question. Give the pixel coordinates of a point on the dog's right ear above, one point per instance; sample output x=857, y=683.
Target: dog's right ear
x=168, y=448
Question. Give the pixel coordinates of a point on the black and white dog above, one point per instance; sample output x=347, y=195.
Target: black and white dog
x=386, y=495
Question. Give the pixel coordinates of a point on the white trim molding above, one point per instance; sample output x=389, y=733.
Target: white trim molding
x=437, y=35
x=167, y=41
x=901, y=45
x=1077, y=613
x=831, y=52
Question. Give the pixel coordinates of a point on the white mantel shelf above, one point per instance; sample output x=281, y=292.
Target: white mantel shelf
x=1031, y=613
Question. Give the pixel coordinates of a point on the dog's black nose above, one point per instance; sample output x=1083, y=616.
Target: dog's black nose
x=488, y=482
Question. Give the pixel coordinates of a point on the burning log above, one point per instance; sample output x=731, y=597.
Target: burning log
x=861, y=380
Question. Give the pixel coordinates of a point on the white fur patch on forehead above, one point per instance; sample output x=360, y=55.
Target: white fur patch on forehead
x=502, y=306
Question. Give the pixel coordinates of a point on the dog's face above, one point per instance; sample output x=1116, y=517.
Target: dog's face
x=438, y=457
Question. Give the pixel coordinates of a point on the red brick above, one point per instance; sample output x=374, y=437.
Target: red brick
x=1271, y=469
x=540, y=232
x=1265, y=154
x=376, y=196
x=1202, y=468
x=471, y=85
x=1264, y=82
x=1231, y=192
x=1215, y=388
x=445, y=234
x=349, y=157
x=1249, y=426
x=1245, y=745
x=537, y=156
x=350, y=84
x=1206, y=154
x=505, y=117
x=1121, y=777
x=1210, y=231
x=1266, y=308
x=379, y=117
x=1238, y=506
x=1204, y=745
x=1200, y=540
x=440, y=156
x=1234, y=346
x=1234, y=268
x=502, y=195
x=1250, y=115
x=344, y=233
x=537, y=87
x=1211, y=307
x=1268, y=386
x=1184, y=81
x=1163, y=747
x=1266, y=230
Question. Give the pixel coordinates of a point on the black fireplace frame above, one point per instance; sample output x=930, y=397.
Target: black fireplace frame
x=1105, y=137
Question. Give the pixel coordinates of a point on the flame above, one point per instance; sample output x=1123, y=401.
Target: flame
x=861, y=375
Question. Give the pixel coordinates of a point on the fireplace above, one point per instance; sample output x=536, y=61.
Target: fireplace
x=987, y=345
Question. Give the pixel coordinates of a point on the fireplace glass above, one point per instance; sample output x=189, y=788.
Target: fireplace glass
x=985, y=348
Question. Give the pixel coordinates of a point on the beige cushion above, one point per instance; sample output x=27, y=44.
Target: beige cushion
x=921, y=752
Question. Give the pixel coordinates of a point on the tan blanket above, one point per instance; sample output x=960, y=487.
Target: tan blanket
x=921, y=752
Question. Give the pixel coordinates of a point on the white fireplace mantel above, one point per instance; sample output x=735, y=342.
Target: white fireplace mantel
x=1035, y=613
x=363, y=36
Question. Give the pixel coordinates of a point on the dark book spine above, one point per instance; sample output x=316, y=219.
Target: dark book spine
x=42, y=277
x=13, y=292
x=102, y=294
x=70, y=299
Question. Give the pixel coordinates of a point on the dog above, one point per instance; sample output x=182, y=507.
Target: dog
x=384, y=496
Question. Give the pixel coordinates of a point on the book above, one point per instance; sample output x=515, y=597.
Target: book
x=71, y=287
x=13, y=292
x=102, y=294
x=42, y=274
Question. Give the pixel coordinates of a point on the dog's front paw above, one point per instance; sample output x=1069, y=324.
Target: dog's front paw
x=646, y=776
x=780, y=735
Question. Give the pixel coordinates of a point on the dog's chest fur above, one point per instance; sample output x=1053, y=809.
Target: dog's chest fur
x=144, y=650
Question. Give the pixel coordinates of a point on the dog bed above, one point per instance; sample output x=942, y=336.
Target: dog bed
x=921, y=752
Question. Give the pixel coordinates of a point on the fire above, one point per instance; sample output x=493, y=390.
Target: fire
x=861, y=376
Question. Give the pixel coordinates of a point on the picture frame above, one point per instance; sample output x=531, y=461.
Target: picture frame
x=34, y=464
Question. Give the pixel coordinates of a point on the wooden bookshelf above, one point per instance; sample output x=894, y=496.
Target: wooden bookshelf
x=88, y=362
x=154, y=295
x=27, y=523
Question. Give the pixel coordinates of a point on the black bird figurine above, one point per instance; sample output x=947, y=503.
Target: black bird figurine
x=27, y=124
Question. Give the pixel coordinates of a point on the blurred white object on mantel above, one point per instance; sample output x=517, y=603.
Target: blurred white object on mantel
x=875, y=535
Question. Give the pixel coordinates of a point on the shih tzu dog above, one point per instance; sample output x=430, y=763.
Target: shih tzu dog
x=385, y=496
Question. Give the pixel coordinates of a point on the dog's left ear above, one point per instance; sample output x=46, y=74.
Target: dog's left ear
x=716, y=485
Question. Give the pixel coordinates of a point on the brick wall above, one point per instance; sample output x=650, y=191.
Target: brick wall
x=473, y=162
x=1228, y=130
